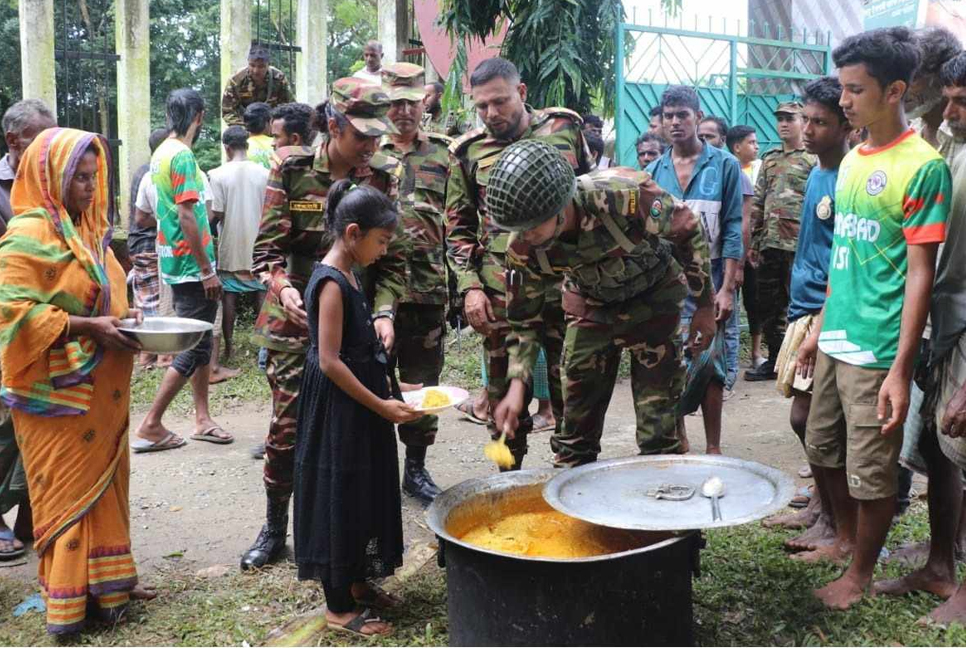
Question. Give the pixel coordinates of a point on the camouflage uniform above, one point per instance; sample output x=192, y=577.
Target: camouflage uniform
x=775, y=214
x=291, y=239
x=623, y=288
x=242, y=91
x=448, y=124
x=477, y=248
x=420, y=324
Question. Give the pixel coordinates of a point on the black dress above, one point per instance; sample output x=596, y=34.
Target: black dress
x=348, y=516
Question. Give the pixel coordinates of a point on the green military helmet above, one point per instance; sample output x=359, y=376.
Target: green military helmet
x=529, y=184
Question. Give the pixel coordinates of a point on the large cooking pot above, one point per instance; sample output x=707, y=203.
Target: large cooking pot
x=638, y=597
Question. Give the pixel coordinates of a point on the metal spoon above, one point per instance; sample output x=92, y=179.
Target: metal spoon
x=713, y=488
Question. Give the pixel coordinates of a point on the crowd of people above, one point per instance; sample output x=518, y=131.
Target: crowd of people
x=360, y=228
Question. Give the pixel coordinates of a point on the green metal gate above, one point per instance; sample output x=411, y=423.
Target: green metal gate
x=739, y=78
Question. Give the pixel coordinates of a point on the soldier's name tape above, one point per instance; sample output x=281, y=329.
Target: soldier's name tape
x=305, y=205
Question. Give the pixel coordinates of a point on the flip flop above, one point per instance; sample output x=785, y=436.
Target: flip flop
x=805, y=472
x=802, y=498
x=206, y=435
x=170, y=442
x=7, y=534
x=466, y=408
x=541, y=423
x=379, y=599
x=355, y=625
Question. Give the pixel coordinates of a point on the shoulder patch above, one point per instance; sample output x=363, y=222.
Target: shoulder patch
x=439, y=138
x=294, y=156
x=460, y=144
x=557, y=111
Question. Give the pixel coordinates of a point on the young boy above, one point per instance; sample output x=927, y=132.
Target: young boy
x=891, y=205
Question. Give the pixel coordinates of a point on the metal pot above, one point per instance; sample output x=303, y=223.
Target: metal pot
x=638, y=597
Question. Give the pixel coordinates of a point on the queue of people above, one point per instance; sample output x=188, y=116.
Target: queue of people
x=355, y=224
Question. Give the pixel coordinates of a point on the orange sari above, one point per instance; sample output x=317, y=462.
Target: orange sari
x=69, y=397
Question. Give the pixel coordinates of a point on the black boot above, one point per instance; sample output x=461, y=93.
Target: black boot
x=270, y=543
x=417, y=481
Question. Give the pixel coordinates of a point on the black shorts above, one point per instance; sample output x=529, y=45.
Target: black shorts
x=190, y=302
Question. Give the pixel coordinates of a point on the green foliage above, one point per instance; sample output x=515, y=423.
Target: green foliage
x=352, y=23
x=563, y=48
x=10, y=55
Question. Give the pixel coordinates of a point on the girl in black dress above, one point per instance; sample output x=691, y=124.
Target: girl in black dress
x=348, y=517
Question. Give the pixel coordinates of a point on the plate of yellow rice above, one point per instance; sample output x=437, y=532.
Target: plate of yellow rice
x=433, y=400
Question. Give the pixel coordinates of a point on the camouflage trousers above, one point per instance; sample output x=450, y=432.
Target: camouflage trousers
x=420, y=330
x=497, y=363
x=284, y=373
x=774, y=279
x=647, y=326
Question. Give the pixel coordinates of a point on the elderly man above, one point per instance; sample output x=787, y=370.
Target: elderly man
x=259, y=81
x=372, y=55
x=22, y=122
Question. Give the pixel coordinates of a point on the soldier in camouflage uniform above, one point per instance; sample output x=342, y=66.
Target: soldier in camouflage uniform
x=420, y=323
x=257, y=82
x=434, y=120
x=775, y=213
x=291, y=239
x=629, y=255
x=476, y=247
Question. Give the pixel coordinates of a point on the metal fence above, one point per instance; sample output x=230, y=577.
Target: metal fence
x=738, y=77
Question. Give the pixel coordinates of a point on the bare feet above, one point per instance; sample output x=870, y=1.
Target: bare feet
x=833, y=552
x=712, y=451
x=801, y=519
x=952, y=611
x=820, y=534
x=921, y=580
x=911, y=554
x=10, y=546
x=152, y=432
x=144, y=592
x=841, y=594
x=221, y=374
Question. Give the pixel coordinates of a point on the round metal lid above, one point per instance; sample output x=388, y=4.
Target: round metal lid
x=651, y=493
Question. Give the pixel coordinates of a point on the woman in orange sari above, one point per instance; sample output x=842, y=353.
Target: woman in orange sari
x=66, y=374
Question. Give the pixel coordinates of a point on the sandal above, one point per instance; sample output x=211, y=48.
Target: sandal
x=466, y=409
x=355, y=625
x=170, y=442
x=378, y=598
x=802, y=498
x=209, y=435
x=8, y=536
x=541, y=423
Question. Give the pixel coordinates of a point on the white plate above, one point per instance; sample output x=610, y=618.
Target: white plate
x=456, y=396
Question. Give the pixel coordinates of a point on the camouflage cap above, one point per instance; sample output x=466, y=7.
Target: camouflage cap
x=790, y=107
x=404, y=81
x=365, y=106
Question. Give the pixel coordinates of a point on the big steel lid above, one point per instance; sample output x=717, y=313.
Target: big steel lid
x=663, y=492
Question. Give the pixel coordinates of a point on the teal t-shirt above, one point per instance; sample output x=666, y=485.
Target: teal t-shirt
x=177, y=179
x=886, y=199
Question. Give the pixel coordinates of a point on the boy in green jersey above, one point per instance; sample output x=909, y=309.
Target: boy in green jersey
x=891, y=204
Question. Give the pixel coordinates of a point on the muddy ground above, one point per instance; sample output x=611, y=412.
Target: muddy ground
x=202, y=505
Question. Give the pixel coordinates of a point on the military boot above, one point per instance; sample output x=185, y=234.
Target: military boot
x=270, y=543
x=417, y=481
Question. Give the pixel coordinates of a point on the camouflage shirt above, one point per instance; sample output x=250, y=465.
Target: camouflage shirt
x=292, y=238
x=422, y=199
x=476, y=247
x=618, y=252
x=241, y=91
x=777, y=206
x=449, y=124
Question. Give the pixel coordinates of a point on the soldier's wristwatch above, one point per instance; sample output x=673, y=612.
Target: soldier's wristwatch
x=386, y=313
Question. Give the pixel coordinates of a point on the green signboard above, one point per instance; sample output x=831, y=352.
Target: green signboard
x=891, y=13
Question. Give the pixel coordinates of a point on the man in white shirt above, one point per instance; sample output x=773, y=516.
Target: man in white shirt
x=372, y=72
x=237, y=191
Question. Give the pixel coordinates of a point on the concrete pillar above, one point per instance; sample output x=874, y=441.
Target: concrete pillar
x=311, y=34
x=38, y=72
x=393, y=28
x=236, y=40
x=132, y=43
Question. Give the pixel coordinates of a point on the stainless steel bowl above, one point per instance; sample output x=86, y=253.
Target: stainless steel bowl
x=165, y=334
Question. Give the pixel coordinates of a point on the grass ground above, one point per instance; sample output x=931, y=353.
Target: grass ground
x=749, y=593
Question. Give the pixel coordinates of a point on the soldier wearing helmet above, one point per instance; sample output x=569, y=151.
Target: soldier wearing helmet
x=628, y=254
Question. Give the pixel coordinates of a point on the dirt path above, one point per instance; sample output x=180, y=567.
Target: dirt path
x=202, y=505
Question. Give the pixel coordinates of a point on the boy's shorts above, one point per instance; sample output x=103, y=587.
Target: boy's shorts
x=844, y=431
x=788, y=378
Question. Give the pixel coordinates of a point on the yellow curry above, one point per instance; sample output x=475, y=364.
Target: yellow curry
x=434, y=398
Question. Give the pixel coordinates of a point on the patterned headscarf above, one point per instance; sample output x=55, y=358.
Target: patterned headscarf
x=41, y=285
